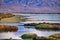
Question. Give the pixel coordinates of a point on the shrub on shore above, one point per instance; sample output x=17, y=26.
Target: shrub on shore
x=35, y=37
x=6, y=28
x=57, y=36
x=29, y=35
x=48, y=26
x=44, y=26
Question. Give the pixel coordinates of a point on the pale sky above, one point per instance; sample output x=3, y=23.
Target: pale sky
x=40, y=6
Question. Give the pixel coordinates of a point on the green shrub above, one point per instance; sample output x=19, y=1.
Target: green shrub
x=55, y=36
x=46, y=27
x=29, y=35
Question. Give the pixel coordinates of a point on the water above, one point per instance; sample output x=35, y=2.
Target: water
x=8, y=35
x=40, y=18
x=22, y=30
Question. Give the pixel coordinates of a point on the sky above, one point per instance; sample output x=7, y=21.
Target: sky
x=40, y=6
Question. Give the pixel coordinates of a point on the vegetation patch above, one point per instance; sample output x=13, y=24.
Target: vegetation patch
x=35, y=37
x=45, y=26
x=29, y=35
x=6, y=28
x=57, y=36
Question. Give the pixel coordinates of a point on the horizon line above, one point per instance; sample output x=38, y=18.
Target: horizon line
x=33, y=13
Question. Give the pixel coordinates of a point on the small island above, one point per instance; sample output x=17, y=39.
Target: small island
x=7, y=28
x=44, y=26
